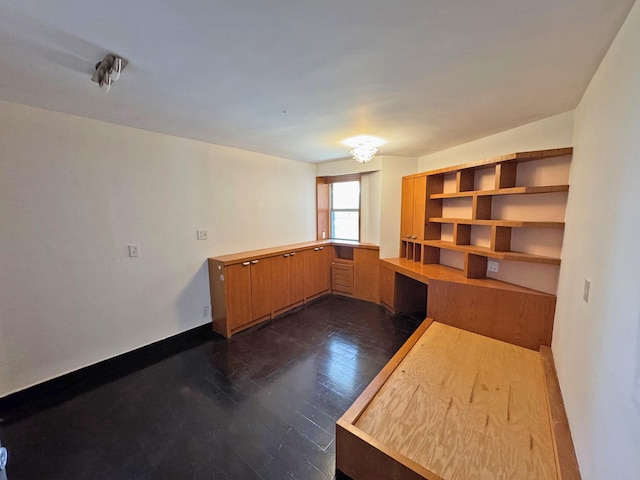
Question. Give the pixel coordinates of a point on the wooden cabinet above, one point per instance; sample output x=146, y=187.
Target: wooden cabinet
x=250, y=287
x=296, y=278
x=317, y=272
x=387, y=288
x=342, y=276
x=248, y=293
x=238, y=295
x=286, y=281
x=366, y=275
x=412, y=218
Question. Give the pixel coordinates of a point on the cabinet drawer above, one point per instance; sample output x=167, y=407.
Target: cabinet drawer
x=342, y=277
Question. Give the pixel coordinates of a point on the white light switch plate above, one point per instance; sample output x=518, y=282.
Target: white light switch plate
x=493, y=266
x=134, y=250
x=202, y=234
x=585, y=291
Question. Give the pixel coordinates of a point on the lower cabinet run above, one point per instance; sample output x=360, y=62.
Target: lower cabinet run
x=251, y=287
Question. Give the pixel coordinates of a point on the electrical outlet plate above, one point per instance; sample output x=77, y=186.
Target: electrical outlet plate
x=493, y=266
x=134, y=250
x=202, y=234
x=205, y=311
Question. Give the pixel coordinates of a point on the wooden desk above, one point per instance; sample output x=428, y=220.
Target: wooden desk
x=485, y=306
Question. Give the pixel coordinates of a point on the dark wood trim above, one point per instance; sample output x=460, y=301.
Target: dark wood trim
x=57, y=390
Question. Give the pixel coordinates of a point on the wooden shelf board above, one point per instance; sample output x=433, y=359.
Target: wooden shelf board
x=498, y=223
x=487, y=252
x=518, y=156
x=503, y=191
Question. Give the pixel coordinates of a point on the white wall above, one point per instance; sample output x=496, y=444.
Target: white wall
x=393, y=169
x=74, y=192
x=552, y=132
x=596, y=345
x=381, y=196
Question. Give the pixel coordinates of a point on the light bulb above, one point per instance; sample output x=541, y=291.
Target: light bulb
x=105, y=84
x=116, y=68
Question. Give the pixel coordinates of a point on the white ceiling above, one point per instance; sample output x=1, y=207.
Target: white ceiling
x=293, y=78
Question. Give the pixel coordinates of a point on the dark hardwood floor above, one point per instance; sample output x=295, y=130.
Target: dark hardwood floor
x=261, y=405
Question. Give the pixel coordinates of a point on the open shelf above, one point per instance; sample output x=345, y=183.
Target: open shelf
x=499, y=223
x=503, y=191
x=487, y=252
x=462, y=199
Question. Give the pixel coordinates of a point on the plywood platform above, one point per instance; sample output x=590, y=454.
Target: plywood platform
x=453, y=405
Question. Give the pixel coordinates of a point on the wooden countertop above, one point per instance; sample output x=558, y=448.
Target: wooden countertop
x=423, y=273
x=296, y=247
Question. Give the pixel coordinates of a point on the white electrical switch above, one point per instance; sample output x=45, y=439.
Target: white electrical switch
x=203, y=234
x=493, y=266
x=134, y=250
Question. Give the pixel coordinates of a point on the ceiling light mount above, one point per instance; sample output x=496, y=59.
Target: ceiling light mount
x=108, y=70
x=364, y=147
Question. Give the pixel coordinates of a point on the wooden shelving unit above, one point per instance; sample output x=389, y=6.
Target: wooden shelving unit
x=425, y=246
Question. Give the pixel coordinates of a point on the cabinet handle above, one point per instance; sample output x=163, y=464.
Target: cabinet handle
x=316, y=249
x=286, y=255
x=320, y=248
x=254, y=261
x=293, y=254
x=414, y=236
x=245, y=263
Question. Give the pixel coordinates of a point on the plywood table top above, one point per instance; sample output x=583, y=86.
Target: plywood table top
x=466, y=406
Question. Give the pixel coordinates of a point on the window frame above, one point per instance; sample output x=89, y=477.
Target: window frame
x=332, y=209
x=325, y=207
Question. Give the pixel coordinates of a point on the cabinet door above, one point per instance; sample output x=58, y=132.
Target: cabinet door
x=296, y=278
x=261, y=288
x=367, y=274
x=317, y=271
x=324, y=269
x=387, y=288
x=419, y=207
x=310, y=268
x=238, y=292
x=406, y=212
x=280, y=282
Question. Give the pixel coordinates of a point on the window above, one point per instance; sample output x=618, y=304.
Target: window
x=345, y=210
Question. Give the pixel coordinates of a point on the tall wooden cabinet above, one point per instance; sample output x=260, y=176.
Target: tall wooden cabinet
x=412, y=217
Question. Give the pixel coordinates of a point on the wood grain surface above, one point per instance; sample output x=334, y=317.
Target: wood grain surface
x=465, y=406
x=521, y=318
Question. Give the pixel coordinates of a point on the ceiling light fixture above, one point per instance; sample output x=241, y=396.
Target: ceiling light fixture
x=108, y=71
x=364, y=147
